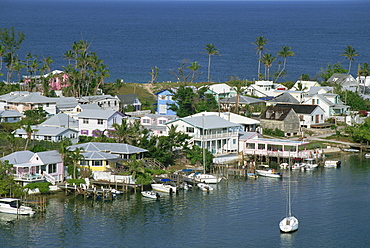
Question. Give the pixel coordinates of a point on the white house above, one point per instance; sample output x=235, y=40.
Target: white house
x=48, y=133
x=106, y=102
x=330, y=103
x=249, y=124
x=95, y=122
x=212, y=132
x=304, y=86
x=220, y=91
x=10, y=116
x=24, y=100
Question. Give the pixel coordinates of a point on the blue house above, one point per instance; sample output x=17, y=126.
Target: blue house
x=164, y=99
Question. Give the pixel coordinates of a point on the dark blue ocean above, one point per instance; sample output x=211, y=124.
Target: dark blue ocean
x=134, y=36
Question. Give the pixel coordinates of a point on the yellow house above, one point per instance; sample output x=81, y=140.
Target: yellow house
x=99, y=161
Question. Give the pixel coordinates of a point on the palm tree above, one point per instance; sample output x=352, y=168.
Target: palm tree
x=237, y=86
x=350, y=53
x=210, y=50
x=284, y=53
x=260, y=43
x=2, y=52
x=76, y=157
x=267, y=60
x=29, y=132
x=122, y=132
x=194, y=66
x=364, y=71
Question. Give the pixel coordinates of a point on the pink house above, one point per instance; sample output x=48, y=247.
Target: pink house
x=156, y=123
x=58, y=79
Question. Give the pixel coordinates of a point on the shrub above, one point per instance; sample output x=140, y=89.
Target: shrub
x=42, y=186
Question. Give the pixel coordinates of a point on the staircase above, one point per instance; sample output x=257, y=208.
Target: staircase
x=49, y=178
x=152, y=162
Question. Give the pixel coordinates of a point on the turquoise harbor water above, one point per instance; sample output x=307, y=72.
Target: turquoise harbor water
x=332, y=206
x=134, y=36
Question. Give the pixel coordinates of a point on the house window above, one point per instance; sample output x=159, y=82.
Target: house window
x=261, y=146
x=114, y=120
x=234, y=141
x=249, y=145
x=161, y=122
x=100, y=121
x=163, y=109
x=85, y=121
x=162, y=97
x=84, y=132
x=311, y=118
x=47, y=137
x=47, y=105
x=97, y=163
x=322, y=117
x=52, y=168
x=146, y=121
x=189, y=129
x=83, y=162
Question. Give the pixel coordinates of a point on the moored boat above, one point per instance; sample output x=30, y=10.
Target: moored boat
x=165, y=188
x=252, y=175
x=269, y=173
x=204, y=178
x=332, y=163
x=14, y=206
x=204, y=187
x=149, y=194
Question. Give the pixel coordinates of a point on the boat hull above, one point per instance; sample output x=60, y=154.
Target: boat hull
x=165, y=188
x=204, y=187
x=289, y=224
x=149, y=194
x=10, y=206
x=268, y=173
x=204, y=178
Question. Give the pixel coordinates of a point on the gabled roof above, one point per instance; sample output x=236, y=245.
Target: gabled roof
x=26, y=97
x=117, y=148
x=285, y=97
x=65, y=102
x=10, y=113
x=234, y=118
x=315, y=89
x=89, y=106
x=220, y=88
x=128, y=98
x=49, y=157
x=19, y=157
x=45, y=130
x=242, y=100
x=299, y=108
x=61, y=120
x=90, y=99
x=156, y=116
x=207, y=122
x=249, y=135
x=97, y=114
x=276, y=113
x=23, y=157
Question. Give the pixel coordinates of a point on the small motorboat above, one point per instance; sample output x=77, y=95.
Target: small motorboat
x=14, y=206
x=269, y=173
x=252, y=175
x=204, y=178
x=149, y=194
x=284, y=166
x=165, y=188
x=332, y=164
x=367, y=155
x=204, y=187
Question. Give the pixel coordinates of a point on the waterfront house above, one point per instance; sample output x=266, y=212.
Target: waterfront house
x=99, y=161
x=284, y=119
x=57, y=80
x=124, y=151
x=156, y=123
x=130, y=100
x=106, y=102
x=96, y=122
x=36, y=167
x=212, y=132
x=261, y=89
x=164, y=101
x=24, y=100
x=310, y=115
x=255, y=145
x=249, y=124
x=10, y=116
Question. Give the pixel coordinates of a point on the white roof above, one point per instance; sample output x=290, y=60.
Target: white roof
x=231, y=117
x=118, y=148
x=96, y=114
x=61, y=120
x=207, y=122
x=26, y=97
x=220, y=88
x=45, y=130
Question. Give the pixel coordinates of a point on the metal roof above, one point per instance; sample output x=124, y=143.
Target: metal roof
x=118, y=148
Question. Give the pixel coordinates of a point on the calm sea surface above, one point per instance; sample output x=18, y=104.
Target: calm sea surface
x=332, y=206
x=134, y=36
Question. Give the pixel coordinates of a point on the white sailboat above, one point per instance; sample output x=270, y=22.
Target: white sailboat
x=289, y=223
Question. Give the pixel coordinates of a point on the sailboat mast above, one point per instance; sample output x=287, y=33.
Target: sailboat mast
x=289, y=208
x=204, y=154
